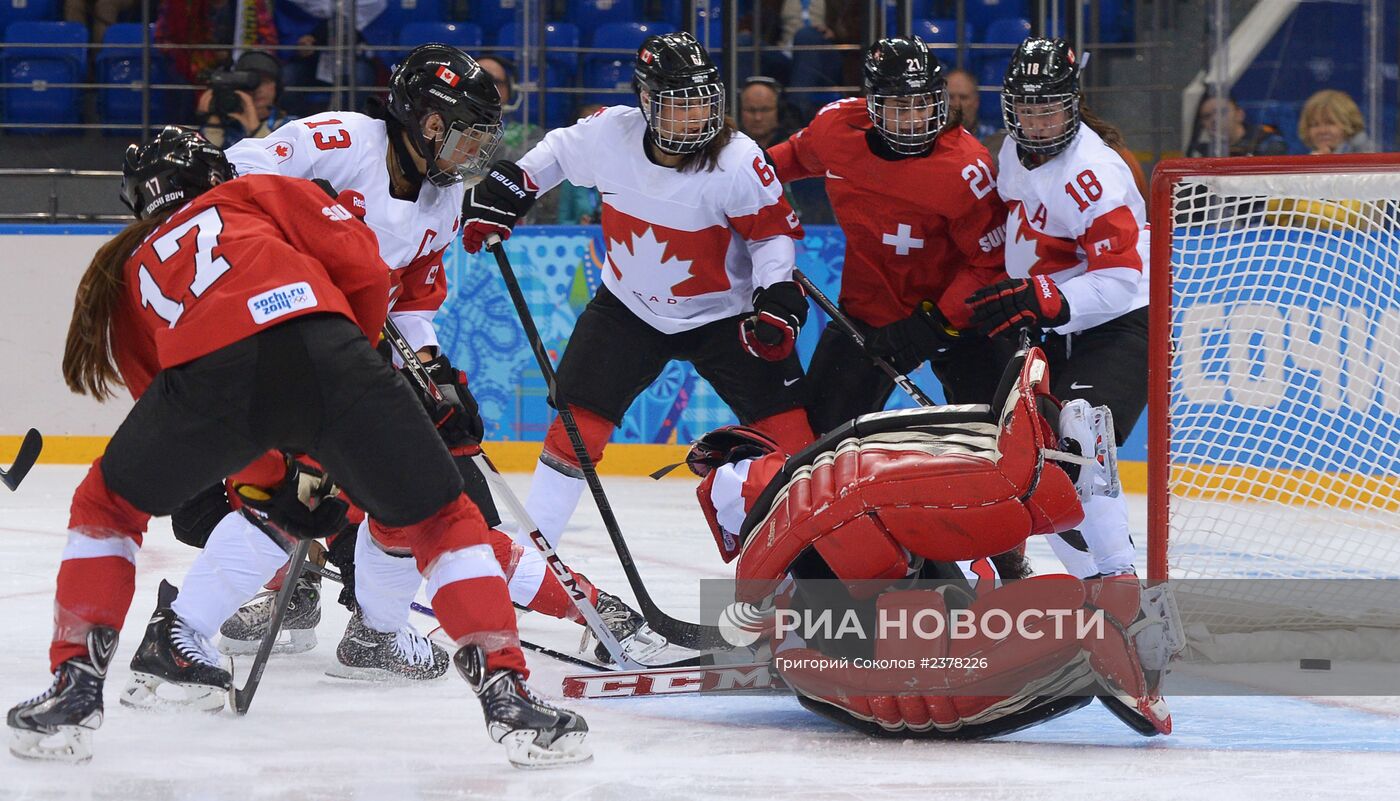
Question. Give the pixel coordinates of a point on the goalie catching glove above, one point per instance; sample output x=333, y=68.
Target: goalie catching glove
x=910, y=342
x=495, y=204
x=779, y=311
x=303, y=505
x=1018, y=303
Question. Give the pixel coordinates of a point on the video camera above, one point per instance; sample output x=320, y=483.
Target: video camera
x=225, y=85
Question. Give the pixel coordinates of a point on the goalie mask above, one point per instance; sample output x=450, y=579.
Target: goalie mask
x=905, y=93
x=1040, y=96
x=680, y=93
x=451, y=109
x=176, y=166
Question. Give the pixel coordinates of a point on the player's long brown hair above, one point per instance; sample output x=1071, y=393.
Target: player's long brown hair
x=88, y=365
x=707, y=158
x=1110, y=134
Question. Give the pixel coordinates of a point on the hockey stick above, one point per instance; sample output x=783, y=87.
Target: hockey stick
x=242, y=699
x=844, y=323
x=754, y=677
x=681, y=632
x=24, y=460
x=424, y=383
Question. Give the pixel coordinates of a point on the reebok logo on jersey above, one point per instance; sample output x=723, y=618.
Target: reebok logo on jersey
x=283, y=300
x=1043, y=284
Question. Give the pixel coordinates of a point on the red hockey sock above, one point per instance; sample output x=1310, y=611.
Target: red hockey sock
x=477, y=611
x=553, y=599
x=91, y=592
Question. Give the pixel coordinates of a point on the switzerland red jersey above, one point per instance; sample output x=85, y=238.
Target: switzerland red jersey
x=923, y=228
x=238, y=259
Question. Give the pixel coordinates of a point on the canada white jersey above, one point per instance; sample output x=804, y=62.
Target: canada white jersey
x=1079, y=220
x=350, y=151
x=683, y=248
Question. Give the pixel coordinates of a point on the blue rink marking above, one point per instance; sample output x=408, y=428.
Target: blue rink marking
x=1200, y=723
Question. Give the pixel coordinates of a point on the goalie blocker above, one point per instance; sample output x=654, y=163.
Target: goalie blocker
x=903, y=494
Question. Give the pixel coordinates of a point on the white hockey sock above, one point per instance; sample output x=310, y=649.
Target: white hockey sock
x=1079, y=564
x=236, y=562
x=553, y=498
x=385, y=585
x=1105, y=530
x=524, y=584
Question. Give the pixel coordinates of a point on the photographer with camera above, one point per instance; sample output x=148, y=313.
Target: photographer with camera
x=241, y=102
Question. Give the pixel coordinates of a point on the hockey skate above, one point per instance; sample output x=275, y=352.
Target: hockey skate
x=1087, y=444
x=536, y=734
x=243, y=633
x=175, y=667
x=371, y=655
x=58, y=724
x=639, y=641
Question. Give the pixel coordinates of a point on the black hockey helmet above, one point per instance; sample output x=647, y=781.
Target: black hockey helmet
x=438, y=79
x=1040, y=96
x=679, y=91
x=905, y=93
x=176, y=166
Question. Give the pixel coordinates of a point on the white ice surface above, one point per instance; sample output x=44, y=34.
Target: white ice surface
x=310, y=737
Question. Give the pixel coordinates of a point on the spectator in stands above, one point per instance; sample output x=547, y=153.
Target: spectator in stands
x=831, y=22
x=580, y=205
x=964, y=97
x=1331, y=123
x=778, y=22
x=98, y=15
x=1244, y=139
x=259, y=115
x=518, y=135
x=212, y=22
x=760, y=111
x=307, y=25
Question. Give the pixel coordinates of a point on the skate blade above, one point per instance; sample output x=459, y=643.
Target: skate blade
x=72, y=744
x=524, y=753
x=289, y=641
x=378, y=675
x=154, y=694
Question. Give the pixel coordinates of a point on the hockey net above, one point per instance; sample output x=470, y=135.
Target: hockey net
x=1275, y=392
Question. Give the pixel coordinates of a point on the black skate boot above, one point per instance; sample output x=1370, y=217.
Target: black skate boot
x=243, y=633
x=375, y=656
x=58, y=724
x=175, y=667
x=535, y=733
x=638, y=640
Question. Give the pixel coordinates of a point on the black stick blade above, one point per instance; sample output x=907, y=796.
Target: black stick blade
x=28, y=454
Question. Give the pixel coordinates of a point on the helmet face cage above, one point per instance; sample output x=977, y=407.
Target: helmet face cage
x=909, y=123
x=1042, y=124
x=176, y=166
x=466, y=148
x=684, y=120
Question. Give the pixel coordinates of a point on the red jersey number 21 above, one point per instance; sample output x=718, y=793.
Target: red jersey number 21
x=208, y=268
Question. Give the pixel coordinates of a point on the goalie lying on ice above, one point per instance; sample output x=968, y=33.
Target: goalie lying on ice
x=933, y=494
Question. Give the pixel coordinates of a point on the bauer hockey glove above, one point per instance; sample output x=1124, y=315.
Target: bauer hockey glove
x=1018, y=303
x=303, y=505
x=457, y=416
x=495, y=204
x=910, y=342
x=778, y=314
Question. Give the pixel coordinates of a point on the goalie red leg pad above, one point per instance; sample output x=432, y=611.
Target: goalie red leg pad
x=1054, y=506
x=594, y=429
x=863, y=551
x=790, y=429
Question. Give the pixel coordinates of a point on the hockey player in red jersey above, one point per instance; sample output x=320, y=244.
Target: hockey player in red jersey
x=940, y=493
x=1077, y=254
x=239, y=312
x=700, y=250
x=915, y=195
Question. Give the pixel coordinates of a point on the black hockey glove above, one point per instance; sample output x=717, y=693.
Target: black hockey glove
x=910, y=342
x=457, y=416
x=495, y=204
x=196, y=518
x=303, y=506
x=1018, y=303
x=778, y=314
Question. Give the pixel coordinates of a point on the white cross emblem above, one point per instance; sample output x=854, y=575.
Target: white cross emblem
x=902, y=240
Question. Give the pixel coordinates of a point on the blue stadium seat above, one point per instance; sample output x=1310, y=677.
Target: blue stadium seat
x=1008, y=30
x=611, y=82
x=119, y=62
x=942, y=37
x=41, y=68
x=588, y=15
x=923, y=9
x=991, y=73
x=982, y=13
x=560, y=107
x=626, y=35
x=492, y=15
x=384, y=30
x=34, y=10
x=464, y=35
x=556, y=35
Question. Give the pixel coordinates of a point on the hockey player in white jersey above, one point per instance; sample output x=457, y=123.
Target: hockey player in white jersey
x=1077, y=254
x=699, y=262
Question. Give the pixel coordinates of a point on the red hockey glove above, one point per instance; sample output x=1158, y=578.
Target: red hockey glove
x=303, y=505
x=495, y=204
x=910, y=342
x=1018, y=303
x=779, y=312
x=457, y=416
